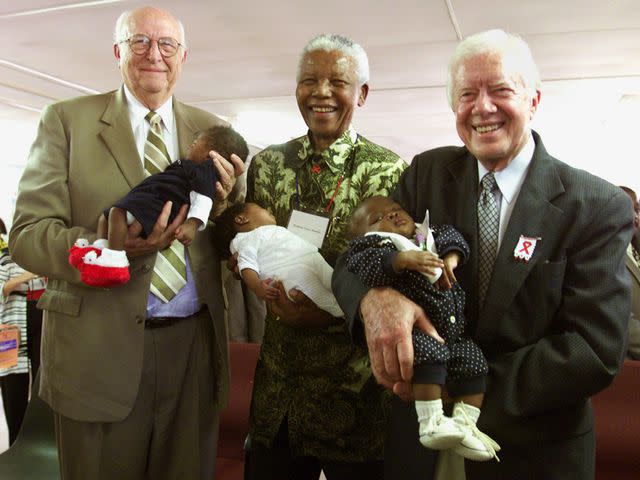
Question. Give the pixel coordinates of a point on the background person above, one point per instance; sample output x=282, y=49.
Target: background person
x=15, y=284
x=553, y=321
x=136, y=383
x=633, y=267
x=315, y=404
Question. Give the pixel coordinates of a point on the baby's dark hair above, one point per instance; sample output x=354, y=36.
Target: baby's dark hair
x=225, y=141
x=225, y=230
x=354, y=228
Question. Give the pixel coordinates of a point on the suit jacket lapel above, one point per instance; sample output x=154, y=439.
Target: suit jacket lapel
x=461, y=193
x=186, y=128
x=533, y=216
x=118, y=137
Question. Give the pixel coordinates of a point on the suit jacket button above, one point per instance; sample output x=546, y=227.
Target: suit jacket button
x=146, y=268
x=139, y=319
x=452, y=319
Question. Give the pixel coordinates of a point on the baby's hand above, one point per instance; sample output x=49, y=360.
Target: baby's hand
x=186, y=232
x=448, y=279
x=419, y=261
x=266, y=292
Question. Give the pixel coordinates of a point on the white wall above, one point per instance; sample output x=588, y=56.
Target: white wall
x=17, y=131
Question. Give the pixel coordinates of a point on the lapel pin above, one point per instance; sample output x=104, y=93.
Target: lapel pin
x=525, y=247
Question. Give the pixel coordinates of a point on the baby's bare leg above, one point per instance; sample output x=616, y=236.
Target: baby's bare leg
x=471, y=399
x=103, y=226
x=427, y=391
x=118, y=228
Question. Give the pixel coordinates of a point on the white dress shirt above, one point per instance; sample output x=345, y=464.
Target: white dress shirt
x=510, y=182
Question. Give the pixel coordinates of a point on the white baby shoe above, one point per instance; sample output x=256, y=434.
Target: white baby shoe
x=437, y=431
x=475, y=445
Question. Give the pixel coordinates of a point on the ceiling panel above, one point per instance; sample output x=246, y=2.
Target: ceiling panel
x=587, y=54
x=243, y=56
x=547, y=16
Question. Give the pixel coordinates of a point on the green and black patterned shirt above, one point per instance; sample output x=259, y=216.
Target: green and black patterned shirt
x=317, y=377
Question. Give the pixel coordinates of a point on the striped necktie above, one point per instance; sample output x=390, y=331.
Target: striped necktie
x=488, y=224
x=170, y=270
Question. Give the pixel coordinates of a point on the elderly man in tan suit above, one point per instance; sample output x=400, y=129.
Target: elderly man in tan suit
x=633, y=267
x=136, y=384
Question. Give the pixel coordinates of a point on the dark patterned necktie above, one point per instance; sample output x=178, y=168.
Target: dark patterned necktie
x=488, y=224
x=170, y=270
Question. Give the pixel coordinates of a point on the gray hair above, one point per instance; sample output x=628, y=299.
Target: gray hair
x=121, y=31
x=330, y=42
x=508, y=46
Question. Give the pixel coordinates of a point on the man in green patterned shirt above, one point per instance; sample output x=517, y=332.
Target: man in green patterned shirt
x=316, y=404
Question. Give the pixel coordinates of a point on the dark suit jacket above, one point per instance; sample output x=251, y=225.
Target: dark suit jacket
x=552, y=329
x=84, y=158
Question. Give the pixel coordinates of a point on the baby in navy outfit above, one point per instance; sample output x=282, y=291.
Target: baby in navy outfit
x=391, y=250
x=189, y=181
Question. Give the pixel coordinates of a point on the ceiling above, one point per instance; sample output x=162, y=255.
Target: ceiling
x=243, y=55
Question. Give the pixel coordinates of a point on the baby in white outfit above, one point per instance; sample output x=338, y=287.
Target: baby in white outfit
x=267, y=253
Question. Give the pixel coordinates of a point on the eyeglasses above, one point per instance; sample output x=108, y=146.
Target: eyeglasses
x=140, y=44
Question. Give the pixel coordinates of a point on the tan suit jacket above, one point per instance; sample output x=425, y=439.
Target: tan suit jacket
x=84, y=158
x=633, y=350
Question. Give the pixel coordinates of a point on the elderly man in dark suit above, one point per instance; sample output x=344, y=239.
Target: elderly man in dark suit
x=548, y=295
x=136, y=382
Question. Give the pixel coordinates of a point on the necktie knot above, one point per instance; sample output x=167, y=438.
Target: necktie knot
x=153, y=118
x=489, y=184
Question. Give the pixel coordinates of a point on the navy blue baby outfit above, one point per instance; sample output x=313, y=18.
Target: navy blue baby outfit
x=146, y=200
x=458, y=362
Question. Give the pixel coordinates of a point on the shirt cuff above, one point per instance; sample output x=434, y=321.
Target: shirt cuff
x=200, y=208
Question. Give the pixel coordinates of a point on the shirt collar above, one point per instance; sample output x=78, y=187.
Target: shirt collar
x=335, y=156
x=137, y=111
x=510, y=179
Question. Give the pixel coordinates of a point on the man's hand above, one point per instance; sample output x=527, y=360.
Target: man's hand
x=389, y=318
x=228, y=172
x=299, y=312
x=160, y=237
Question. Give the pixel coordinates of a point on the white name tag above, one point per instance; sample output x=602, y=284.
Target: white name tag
x=312, y=228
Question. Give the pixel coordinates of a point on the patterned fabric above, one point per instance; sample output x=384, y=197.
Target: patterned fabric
x=371, y=257
x=170, y=270
x=636, y=255
x=319, y=378
x=488, y=224
x=13, y=311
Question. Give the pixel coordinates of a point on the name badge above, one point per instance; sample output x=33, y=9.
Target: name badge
x=311, y=227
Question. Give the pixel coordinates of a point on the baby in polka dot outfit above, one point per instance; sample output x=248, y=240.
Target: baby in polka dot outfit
x=379, y=259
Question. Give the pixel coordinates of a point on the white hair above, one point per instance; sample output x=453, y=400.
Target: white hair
x=510, y=47
x=330, y=42
x=121, y=31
